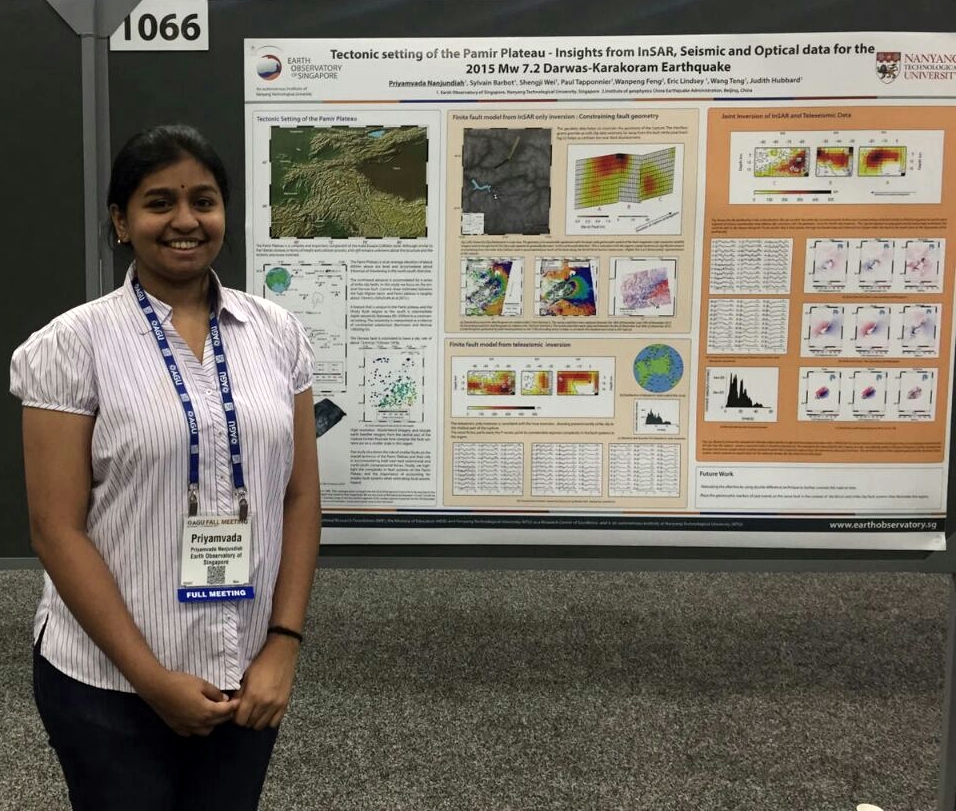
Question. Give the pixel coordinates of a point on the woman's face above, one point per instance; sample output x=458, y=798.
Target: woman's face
x=175, y=221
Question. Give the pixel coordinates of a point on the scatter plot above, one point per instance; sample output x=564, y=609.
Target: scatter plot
x=834, y=161
x=867, y=395
x=821, y=393
x=889, y=265
x=781, y=162
x=916, y=396
x=868, y=392
x=491, y=287
x=830, y=261
x=342, y=182
x=882, y=161
x=922, y=262
x=567, y=287
x=823, y=328
x=871, y=328
x=393, y=387
x=876, y=263
x=643, y=287
x=551, y=387
x=506, y=181
x=920, y=329
x=741, y=394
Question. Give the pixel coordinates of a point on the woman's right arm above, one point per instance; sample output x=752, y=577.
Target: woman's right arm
x=57, y=454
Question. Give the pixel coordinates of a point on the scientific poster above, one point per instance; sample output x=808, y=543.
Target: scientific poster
x=648, y=291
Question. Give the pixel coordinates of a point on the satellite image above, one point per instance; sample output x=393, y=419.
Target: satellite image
x=343, y=182
x=507, y=179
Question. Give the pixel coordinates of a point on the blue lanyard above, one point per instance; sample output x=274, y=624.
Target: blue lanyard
x=225, y=392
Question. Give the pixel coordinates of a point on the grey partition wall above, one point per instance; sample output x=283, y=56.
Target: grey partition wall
x=206, y=88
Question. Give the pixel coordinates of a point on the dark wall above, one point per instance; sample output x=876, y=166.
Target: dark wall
x=42, y=214
x=43, y=145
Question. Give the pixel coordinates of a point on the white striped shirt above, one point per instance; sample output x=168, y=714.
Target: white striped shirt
x=101, y=359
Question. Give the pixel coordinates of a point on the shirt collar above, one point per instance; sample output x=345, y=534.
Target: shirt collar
x=228, y=302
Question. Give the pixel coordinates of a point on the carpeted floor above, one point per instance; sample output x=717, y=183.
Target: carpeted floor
x=566, y=691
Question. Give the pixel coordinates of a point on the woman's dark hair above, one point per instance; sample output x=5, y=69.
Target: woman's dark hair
x=156, y=148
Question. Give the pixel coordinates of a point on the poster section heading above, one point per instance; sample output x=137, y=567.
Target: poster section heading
x=624, y=312
x=757, y=66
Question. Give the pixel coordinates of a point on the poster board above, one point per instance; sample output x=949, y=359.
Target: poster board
x=617, y=290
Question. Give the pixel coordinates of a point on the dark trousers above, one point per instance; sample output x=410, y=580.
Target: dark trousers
x=117, y=754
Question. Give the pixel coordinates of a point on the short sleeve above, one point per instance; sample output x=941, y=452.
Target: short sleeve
x=53, y=369
x=303, y=361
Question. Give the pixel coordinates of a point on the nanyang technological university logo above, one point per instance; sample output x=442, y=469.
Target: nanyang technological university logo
x=888, y=65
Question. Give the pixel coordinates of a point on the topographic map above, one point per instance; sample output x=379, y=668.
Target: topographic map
x=342, y=182
x=507, y=179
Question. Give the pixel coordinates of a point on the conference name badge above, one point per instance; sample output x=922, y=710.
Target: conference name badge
x=215, y=559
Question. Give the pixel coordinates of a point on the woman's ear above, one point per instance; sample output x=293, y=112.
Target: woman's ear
x=119, y=224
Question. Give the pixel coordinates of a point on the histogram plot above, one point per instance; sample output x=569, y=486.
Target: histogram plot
x=393, y=387
x=777, y=161
x=643, y=287
x=921, y=258
x=868, y=392
x=821, y=392
x=882, y=161
x=830, y=259
x=834, y=161
x=491, y=287
x=634, y=190
x=656, y=416
x=875, y=267
x=741, y=394
x=567, y=287
x=916, y=394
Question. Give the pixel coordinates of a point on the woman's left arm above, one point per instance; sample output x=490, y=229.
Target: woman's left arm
x=267, y=683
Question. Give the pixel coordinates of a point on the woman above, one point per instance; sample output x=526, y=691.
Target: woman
x=172, y=481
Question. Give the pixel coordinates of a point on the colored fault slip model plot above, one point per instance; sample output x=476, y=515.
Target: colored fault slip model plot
x=848, y=166
x=892, y=330
x=654, y=416
x=547, y=387
x=643, y=286
x=491, y=287
x=741, y=394
x=344, y=182
x=506, y=181
x=567, y=287
x=318, y=296
x=874, y=265
x=854, y=395
x=624, y=188
x=393, y=386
